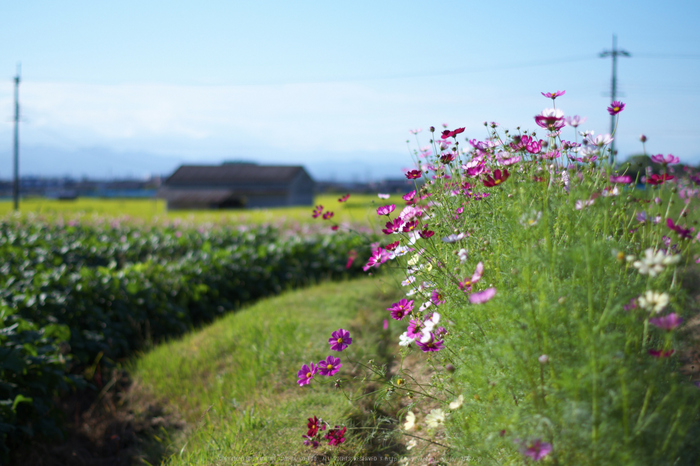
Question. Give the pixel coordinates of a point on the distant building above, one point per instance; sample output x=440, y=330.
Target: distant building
x=237, y=185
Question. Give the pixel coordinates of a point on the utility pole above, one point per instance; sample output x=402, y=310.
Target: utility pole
x=613, y=86
x=15, y=187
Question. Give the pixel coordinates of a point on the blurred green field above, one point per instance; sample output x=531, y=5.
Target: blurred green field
x=360, y=208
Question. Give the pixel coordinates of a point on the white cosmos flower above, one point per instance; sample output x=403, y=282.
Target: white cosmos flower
x=653, y=263
x=424, y=306
x=411, y=444
x=462, y=254
x=453, y=238
x=429, y=326
x=408, y=281
x=435, y=418
x=405, y=340
x=410, y=421
x=653, y=301
x=457, y=402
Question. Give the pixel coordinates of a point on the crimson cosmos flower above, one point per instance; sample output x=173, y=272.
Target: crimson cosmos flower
x=450, y=134
x=661, y=353
x=659, y=179
x=413, y=174
x=498, y=178
x=336, y=436
x=425, y=234
x=314, y=425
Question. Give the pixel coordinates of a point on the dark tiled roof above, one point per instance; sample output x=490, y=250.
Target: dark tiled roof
x=232, y=173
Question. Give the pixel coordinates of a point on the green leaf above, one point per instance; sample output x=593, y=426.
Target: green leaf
x=21, y=399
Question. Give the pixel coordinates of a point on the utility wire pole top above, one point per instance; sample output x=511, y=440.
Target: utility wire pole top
x=15, y=186
x=614, y=53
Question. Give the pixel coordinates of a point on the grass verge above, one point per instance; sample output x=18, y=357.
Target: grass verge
x=234, y=382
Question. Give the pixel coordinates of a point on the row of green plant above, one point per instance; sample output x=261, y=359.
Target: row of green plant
x=551, y=287
x=76, y=299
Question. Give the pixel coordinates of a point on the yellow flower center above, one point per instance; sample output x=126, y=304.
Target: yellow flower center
x=308, y=374
x=329, y=366
x=617, y=109
x=498, y=181
x=340, y=340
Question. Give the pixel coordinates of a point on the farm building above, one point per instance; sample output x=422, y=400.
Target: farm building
x=237, y=185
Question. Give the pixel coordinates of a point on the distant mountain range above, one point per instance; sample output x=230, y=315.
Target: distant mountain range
x=103, y=163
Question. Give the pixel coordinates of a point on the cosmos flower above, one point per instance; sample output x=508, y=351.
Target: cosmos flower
x=330, y=366
x=306, y=373
x=659, y=179
x=616, y=107
x=413, y=174
x=653, y=301
x=457, y=403
x=654, y=262
x=339, y=340
x=410, y=422
x=498, y=178
x=667, y=322
x=482, y=296
x=575, y=121
x=551, y=119
x=623, y=179
x=386, y=210
x=668, y=160
x=344, y=198
x=537, y=450
x=401, y=309
x=553, y=95
x=435, y=418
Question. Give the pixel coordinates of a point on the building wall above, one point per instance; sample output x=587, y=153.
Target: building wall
x=301, y=191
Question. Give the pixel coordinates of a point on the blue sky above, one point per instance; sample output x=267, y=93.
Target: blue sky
x=118, y=88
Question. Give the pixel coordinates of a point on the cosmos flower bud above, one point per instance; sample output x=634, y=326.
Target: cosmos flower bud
x=643, y=138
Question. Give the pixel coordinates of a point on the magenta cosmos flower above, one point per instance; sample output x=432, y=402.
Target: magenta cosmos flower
x=413, y=174
x=659, y=179
x=437, y=298
x=306, y=373
x=466, y=285
x=553, y=95
x=329, y=366
x=450, y=134
x=431, y=345
x=344, y=198
x=537, y=450
x=401, y=309
x=616, y=107
x=661, y=353
x=339, y=340
x=336, y=436
x=318, y=210
x=386, y=210
x=668, y=322
x=684, y=233
x=415, y=326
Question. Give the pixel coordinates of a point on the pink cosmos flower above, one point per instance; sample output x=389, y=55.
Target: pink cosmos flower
x=352, y=255
x=415, y=131
x=386, y=210
x=327, y=215
x=537, y=450
x=318, y=210
x=482, y=296
x=575, y=121
x=383, y=196
x=401, y=309
x=551, y=119
x=415, y=327
x=553, y=95
x=581, y=204
x=339, y=340
x=408, y=197
x=624, y=179
x=413, y=174
x=670, y=159
x=668, y=322
x=306, y=373
x=378, y=257
x=616, y=107
x=329, y=366
x=466, y=285
x=344, y=198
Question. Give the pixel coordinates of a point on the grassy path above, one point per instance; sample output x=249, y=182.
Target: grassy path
x=234, y=382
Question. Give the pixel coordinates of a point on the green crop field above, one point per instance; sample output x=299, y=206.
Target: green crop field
x=359, y=209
